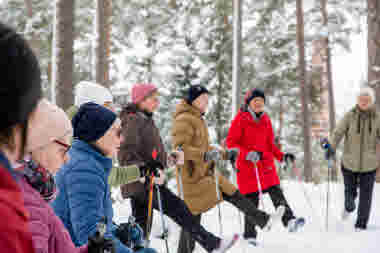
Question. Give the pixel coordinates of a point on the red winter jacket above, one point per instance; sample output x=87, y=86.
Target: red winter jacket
x=14, y=231
x=249, y=135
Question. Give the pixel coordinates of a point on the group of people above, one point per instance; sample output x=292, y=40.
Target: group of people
x=54, y=173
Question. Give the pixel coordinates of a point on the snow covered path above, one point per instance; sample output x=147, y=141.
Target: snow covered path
x=341, y=237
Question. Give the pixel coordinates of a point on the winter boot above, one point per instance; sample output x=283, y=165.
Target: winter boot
x=295, y=224
x=345, y=214
x=252, y=241
x=274, y=218
x=226, y=244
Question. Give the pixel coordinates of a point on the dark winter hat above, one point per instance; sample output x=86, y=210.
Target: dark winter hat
x=254, y=93
x=20, y=88
x=92, y=121
x=194, y=92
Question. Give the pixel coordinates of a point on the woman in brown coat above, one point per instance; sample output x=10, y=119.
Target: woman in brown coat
x=141, y=139
x=197, y=174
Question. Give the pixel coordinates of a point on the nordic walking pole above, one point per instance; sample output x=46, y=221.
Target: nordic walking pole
x=164, y=228
x=180, y=186
x=329, y=156
x=219, y=198
x=329, y=167
x=150, y=207
x=261, y=201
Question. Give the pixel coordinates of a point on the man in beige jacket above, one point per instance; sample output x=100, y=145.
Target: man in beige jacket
x=360, y=128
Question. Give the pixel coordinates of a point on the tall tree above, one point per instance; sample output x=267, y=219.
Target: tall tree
x=304, y=92
x=373, y=20
x=103, y=41
x=327, y=62
x=63, y=54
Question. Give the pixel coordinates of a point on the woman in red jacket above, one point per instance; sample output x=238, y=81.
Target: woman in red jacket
x=252, y=133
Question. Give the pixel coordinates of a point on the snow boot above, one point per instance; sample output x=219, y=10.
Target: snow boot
x=226, y=244
x=295, y=224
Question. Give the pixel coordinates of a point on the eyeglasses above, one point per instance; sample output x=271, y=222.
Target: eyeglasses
x=65, y=145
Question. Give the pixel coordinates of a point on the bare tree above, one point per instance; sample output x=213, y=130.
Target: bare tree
x=103, y=43
x=63, y=54
x=373, y=20
x=304, y=92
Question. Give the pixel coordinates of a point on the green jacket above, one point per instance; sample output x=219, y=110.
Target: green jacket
x=361, y=131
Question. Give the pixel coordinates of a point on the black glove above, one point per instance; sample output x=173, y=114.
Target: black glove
x=99, y=244
x=254, y=156
x=232, y=154
x=289, y=157
x=152, y=166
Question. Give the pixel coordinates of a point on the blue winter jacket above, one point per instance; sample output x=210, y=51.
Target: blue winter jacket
x=84, y=195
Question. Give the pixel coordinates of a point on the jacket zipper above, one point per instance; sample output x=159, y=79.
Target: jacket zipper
x=361, y=144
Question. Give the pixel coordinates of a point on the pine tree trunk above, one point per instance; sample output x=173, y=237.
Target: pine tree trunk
x=332, y=119
x=63, y=59
x=304, y=93
x=373, y=20
x=103, y=45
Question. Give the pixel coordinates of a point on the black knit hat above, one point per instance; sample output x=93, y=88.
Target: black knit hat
x=20, y=88
x=253, y=94
x=194, y=92
x=92, y=121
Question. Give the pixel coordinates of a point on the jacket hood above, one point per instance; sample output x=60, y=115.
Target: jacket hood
x=184, y=107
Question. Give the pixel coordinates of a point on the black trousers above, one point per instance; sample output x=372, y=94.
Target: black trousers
x=178, y=211
x=278, y=198
x=365, y=181
x=255, y=216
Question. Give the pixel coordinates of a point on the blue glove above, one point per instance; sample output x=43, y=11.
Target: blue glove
x=130, y=234
x=330, y=152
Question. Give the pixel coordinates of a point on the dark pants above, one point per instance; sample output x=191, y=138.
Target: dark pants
x=178, y=211
x=255, y=216
x=277, y=196
x=366, y=182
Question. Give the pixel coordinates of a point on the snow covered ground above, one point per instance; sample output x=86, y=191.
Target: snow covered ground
x=307, y=200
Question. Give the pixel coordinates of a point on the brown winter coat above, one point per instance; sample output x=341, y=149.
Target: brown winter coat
x=190, y=132
x=141, y=138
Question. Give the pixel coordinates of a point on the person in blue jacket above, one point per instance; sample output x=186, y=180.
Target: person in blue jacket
x=84, y=199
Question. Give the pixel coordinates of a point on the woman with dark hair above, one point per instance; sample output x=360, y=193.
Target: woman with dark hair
x=20, y=92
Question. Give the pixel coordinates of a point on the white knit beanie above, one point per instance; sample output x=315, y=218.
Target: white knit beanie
x=368, y=91
x=91, y=92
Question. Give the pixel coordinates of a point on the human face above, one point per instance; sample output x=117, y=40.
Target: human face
x=53, y=155
x=364, y=102
x=201, y=102
x=257, y=104
x=150, y=103
x=109, y=144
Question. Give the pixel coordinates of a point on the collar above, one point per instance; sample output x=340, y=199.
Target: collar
x=5, y=162
x=92, y=151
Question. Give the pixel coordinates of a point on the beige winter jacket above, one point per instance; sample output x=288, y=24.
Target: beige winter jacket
x=190, y=132
x=361, y=131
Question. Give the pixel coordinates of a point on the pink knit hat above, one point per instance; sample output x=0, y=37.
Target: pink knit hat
x=47, y=123
x=142, y=90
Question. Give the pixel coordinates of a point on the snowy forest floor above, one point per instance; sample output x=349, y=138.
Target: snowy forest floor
x=340, y=237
